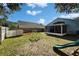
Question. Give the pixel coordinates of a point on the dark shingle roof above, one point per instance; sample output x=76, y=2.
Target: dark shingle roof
x=77, y=19
x=23, y=24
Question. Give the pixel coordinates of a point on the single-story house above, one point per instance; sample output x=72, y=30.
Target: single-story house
x=30, y=26
x=63, y=26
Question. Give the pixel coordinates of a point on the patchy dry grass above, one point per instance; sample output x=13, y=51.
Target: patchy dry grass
x=31, y=44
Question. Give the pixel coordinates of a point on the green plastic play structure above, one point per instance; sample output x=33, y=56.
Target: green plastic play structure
x=76, y=43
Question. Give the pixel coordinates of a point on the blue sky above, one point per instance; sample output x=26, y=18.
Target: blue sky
x=38, y=13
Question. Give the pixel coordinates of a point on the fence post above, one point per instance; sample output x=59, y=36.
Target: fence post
x=2, y=34
x=6, y=31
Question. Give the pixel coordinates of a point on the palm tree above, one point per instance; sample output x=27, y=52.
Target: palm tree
x=67, y=7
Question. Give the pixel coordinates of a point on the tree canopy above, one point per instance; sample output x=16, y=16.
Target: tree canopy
x=13, y=25
x=8, y=8
x=3, y=22
x=67, y=7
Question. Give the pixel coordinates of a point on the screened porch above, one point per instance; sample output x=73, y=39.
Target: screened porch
x=57, y=29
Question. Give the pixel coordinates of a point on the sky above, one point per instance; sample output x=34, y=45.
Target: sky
x=38, y=13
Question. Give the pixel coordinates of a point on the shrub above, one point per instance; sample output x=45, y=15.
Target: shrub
x=34, y=37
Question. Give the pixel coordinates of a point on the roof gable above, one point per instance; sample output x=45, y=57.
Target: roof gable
x=59, y=19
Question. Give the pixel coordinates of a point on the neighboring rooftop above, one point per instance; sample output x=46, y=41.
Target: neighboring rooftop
x=24, y=24
x=77, y=19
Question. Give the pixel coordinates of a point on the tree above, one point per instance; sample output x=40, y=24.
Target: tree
x=67, y=7
x=13, y=25
x=6, y=9
x=3, y=22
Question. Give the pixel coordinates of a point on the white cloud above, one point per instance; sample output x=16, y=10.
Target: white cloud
x=42, y=5
x=42, y=21
x=33, y=5
x=68, y=16
x=34, y=13
x=71, y=16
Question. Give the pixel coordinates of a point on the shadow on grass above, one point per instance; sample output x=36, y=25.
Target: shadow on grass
x=67, y=37
x=14, y=36
x=59, y=52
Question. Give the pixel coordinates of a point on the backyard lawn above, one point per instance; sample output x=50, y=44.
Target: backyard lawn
x=33, y=44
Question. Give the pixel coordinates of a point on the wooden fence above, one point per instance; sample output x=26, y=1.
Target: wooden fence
x=5, y=32
x=12, y=33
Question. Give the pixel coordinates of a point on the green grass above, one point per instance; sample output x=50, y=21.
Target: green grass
x=23, y=45
x=9, y=45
